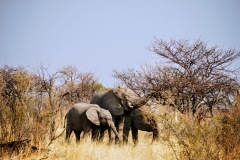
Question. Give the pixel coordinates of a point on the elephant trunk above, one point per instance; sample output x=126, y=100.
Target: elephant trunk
x=143, y=100
x=112, y=126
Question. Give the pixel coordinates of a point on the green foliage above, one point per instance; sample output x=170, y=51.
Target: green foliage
x=100, y=87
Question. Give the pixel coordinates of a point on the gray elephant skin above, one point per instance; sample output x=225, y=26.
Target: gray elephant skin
x=143, y=119
x=88, y=117
x=120, y=101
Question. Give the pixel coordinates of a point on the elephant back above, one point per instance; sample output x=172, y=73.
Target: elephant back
x=97, y=98
x=81, y=107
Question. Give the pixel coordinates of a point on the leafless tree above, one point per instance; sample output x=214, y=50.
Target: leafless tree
x=32, y=107
x=14, y=106
x=196, y=74
x=77, y=86
x=134, y=80
x=45, y=83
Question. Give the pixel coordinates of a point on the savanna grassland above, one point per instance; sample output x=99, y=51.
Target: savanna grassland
x=94, y=150
x=88, y=149
x=199, y=101
x=212, y=138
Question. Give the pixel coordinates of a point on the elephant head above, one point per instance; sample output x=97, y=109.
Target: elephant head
x=120, y=99
x=130, y=100
x=99, y=116
x=125, y=97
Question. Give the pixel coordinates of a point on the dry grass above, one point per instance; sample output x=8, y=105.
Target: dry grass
x=87, y=150
x=216, y=138
x=31, y=120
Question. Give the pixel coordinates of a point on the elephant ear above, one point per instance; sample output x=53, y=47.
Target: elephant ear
x=92, y=115
x=111, y=102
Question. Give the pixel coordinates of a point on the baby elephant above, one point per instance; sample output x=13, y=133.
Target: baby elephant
x=88, y=117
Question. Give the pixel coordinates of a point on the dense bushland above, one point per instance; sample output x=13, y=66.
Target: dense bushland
x=211, y=138
x=33, y=104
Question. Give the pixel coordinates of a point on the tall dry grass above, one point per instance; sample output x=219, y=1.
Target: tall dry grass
x=214, y=138
x=87, y=149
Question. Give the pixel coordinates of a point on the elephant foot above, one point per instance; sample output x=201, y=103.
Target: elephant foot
x=135, y=142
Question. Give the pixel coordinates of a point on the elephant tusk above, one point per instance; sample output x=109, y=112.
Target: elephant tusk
x=130, y=105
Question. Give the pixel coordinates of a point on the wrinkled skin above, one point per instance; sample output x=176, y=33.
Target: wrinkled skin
x=88, y=117
x=143, y=119
x=120, y=102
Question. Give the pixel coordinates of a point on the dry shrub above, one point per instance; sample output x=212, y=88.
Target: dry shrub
x=23, y=126
x=29, y=135
x=214, y=138
x=228, y=137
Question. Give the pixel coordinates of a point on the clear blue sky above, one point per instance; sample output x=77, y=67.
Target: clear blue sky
x=102, y=35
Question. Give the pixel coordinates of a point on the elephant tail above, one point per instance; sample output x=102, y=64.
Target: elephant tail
x=65, y=121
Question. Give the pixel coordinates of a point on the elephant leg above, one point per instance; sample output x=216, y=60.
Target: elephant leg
x=126, y=129
x=68, y=134
x=155, y=136
x=125, y=134
x=119, y=126
x=95, y=133
x=111, y=136
x=77, y=134
x=87, y=132
x=101, y=134
x=134, y=135
x=156, y=132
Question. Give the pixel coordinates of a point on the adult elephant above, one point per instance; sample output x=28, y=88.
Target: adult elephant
x=120, y=102
x=144, y=119
x=88, y=117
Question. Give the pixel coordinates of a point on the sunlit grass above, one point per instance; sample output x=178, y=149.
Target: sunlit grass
x=215, y=138
x=87, y=149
